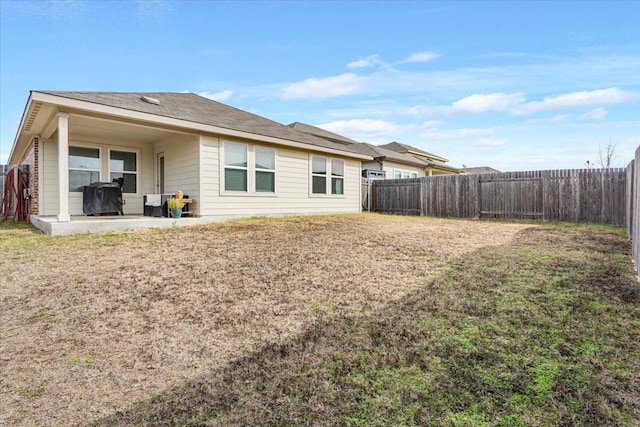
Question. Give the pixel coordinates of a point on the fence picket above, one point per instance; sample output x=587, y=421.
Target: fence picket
x=584, y=195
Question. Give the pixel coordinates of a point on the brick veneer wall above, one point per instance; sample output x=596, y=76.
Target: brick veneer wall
x=31, y=159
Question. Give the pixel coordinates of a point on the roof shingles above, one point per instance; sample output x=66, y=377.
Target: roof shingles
x=198, y=109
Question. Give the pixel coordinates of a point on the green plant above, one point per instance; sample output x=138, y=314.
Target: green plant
x=174, y=203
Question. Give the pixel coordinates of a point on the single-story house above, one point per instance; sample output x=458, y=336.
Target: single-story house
x=230, y=162
x=436, y=165
x=479, y=170
x=397, y=161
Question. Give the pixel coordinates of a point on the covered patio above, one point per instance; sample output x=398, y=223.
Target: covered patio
x=79, y=224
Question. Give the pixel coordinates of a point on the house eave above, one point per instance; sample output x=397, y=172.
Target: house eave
x=164, y=121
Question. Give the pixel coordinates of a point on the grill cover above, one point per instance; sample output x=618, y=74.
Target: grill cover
x=102, y=197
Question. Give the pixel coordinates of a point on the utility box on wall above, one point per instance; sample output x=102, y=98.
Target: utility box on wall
x=374, y=174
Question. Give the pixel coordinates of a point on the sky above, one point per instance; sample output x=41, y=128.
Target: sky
x=515, y=85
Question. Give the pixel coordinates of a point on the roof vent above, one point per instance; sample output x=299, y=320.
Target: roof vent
x=150, y=100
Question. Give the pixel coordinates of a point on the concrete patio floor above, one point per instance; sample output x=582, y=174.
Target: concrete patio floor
x=105, y=224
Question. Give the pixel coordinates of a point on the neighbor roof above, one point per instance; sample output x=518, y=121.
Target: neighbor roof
x=404, y=148
x=198, y=109
x=480, y=169
x=378, y=151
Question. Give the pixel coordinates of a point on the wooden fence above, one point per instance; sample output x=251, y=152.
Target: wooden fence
x=633, y=206
x=583, y=195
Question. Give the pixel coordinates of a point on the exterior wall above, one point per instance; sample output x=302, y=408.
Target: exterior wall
x=181, y=166
x=133, y=203
x=391, y=167
x=292, y=195
x=49, y=176
x=193, y=165
x=31, y=159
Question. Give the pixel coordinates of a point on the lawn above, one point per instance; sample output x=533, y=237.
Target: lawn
x=356, y=320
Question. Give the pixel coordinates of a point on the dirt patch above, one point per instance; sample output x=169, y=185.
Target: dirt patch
x=92, y=324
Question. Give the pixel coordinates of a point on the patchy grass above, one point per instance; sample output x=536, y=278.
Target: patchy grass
x=350, y=320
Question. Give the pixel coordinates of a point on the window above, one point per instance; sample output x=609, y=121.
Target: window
x=124, y=164
x=249, y=168
x=84, y=167
x=318, y=175
x=322, y=169
x=265, y=170
x=337, y=176
x=235, y=167
x=404, y=174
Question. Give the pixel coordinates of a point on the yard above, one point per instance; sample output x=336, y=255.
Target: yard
x=356, y=320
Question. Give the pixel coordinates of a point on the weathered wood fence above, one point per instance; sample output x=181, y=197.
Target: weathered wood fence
x=583, y=195
x=633, y=206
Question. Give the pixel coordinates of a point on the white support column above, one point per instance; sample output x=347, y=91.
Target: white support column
x=63, y=167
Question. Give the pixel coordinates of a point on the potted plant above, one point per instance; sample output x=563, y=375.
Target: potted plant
x=175, y=206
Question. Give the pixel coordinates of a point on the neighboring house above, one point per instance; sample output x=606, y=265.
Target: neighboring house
x=436, y=164
x=396, y=160
x=479, y=170
x=231, y=162
x=395, y=165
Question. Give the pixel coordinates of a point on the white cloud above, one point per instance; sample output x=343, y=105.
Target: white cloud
x=479, y=103
x=431, y=124
x=328, y=87
x=455, y=133
x=369, y=61
x=374, y=131
x=491, y=142
x=593, y=115
x=422, y=57
x=516, y=103
x=218, y=96
x=593, y=98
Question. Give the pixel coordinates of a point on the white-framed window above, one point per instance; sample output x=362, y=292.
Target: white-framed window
x=265, y=170
x=235, y=167
x=404, y=174
x=84, y=167
x=327, y=176
x=337, y=176
x=124, y=164
x=248, y=168
x=318, y=175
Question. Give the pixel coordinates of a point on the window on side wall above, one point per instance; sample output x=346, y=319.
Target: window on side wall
x=235, y=167
x=327, y=176
x=318, y=175
x=337, y=176
x=404, y=174
x=249, y=169
x=265, y=170
x=84, y=167
x=124, y=164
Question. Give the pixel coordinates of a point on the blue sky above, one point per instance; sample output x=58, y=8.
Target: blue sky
x=517, y=85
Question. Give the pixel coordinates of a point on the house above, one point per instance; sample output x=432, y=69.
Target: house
x=230, y=162
x=396, y=160
x=479, y=170
x=436, y=164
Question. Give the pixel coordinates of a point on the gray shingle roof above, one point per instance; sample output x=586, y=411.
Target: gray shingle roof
x=401, y=148
x=197, y=109
x=378, y=151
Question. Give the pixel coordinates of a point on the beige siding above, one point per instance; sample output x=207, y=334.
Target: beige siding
x=193, y=166
x=181, y=165
x=209, y=175
x=391, y=167
x=49, y=177
x=292, y=187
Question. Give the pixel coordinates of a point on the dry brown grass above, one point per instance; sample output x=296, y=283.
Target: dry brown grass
x=90, y=325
